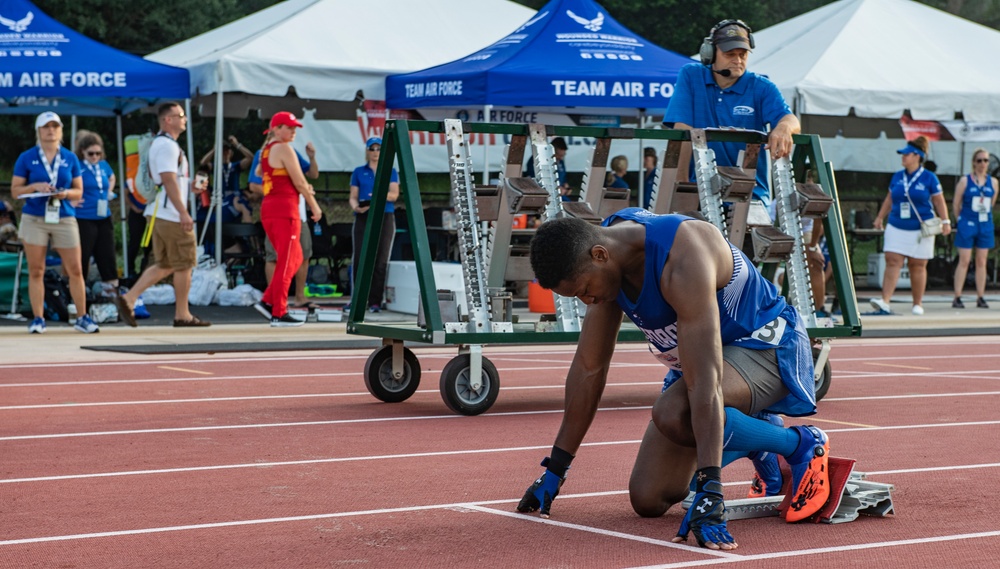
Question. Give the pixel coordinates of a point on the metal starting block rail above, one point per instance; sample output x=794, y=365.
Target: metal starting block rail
x=470, y=383
x=860, y=497
x=852, y=496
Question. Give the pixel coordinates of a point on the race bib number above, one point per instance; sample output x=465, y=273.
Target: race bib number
x=904, y=211
x=669, y=358
x=772, y=332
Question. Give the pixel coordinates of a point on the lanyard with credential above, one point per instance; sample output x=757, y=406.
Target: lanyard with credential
x=908, y=182
x=95, y=169
x=53, y=169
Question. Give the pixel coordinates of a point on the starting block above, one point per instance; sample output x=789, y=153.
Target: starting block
x=850, y=497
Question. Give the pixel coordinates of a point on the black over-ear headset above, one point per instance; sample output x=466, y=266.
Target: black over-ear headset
x=707, y=50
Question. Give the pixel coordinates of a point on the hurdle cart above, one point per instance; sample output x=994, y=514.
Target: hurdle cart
x=469, y=382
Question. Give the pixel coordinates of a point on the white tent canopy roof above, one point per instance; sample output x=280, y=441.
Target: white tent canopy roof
x=329, y=49
x=882, y=57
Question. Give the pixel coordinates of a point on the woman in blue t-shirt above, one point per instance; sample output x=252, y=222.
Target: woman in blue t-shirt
x=362, y=187
x=975, y=198
x=914, y=195
x=47, y=177
x=93, y=212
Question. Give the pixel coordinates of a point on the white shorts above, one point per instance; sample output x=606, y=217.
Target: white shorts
x=908, y=243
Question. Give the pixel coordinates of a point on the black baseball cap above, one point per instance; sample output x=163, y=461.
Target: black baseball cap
x=732, y=36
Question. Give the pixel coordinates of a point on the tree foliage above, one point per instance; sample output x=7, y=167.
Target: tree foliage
x=144, y=26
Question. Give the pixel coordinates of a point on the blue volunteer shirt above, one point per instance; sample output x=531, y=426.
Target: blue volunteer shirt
x=29, y=166
x=96, y=184
x=753, y=103
x=922, y=185
x=364, y=178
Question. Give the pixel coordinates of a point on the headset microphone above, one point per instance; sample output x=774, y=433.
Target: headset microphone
x=723, y=72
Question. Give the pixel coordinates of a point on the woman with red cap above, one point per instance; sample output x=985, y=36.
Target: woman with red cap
x=284, y=181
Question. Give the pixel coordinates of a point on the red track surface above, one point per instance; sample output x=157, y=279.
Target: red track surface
x=260, y=461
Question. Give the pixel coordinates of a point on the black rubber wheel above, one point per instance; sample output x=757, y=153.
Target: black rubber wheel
x=456, y=387
x=823, y=382
x=380, y=381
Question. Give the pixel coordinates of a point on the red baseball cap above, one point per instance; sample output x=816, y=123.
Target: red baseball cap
x=283, y=118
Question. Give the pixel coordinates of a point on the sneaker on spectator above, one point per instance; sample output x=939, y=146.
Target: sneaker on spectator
x=918, y=310
x=264, y=309
x=957, y=303
x=37, y=326
x=981, y=303
x=881, y=305
x=86, y=325
x=285, y=321
x=374, y=308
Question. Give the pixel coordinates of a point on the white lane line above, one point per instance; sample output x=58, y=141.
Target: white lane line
x=296, y=424
x=722, y=556
x=432, y=352
x=298, y=462
x=822, y=550
x=604, y=532
x=434, y=391
x=392, y=419
x=279, y=397
x=911, y=396
x=358, y=374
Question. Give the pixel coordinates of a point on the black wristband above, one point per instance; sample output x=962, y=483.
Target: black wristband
x=558, y=462
x=708, y=479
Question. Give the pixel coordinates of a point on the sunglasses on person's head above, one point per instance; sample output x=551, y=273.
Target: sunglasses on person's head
x=375, y=148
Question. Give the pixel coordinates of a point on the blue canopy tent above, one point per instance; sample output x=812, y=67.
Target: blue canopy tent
x=46, y=66
x=570, y=55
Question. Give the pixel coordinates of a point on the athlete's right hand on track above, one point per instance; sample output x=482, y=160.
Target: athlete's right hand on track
x=707, y=515
x=540, y=494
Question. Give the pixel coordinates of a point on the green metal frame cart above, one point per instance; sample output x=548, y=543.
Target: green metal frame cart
x=470, y=383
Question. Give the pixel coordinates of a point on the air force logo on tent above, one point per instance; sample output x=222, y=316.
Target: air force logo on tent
x=42, y=58
x=571, y=54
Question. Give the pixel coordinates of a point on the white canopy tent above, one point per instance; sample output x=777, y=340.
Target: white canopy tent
x=880, y=58
x=331, y=49
x=310, y=52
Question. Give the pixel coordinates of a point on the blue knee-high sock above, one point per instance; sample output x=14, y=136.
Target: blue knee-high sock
x=745, y=434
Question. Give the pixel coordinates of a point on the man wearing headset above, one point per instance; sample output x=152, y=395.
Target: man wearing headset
x=719, y=92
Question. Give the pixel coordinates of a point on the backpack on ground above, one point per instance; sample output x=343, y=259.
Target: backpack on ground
x=57, y=297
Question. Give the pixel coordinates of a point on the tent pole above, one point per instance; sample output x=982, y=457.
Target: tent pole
x=190, y=151
x=72, y=133
x=487, y=109
x=642, y=162
x=217, y=185
x=122, y=193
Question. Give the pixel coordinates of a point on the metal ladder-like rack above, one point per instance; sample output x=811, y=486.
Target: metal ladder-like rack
x=569, y=311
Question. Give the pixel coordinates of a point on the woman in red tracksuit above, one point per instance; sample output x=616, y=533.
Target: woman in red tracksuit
x=279, y=213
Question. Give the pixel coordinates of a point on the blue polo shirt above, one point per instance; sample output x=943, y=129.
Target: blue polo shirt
x=753, y=102
x=364, y=178
x=30, y=167
x=96, y=182
x=922, y=185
